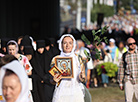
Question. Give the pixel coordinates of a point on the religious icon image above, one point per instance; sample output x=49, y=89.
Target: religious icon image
x=66, y=71
x=65, y=65
x=54, y=70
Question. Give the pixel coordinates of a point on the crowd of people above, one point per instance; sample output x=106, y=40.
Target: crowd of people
x=35, y=58
x=31, y=75
x=25, y=65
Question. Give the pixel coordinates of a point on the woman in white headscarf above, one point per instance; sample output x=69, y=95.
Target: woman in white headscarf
x=16, y=89
x=13, y=49
x=69, y=90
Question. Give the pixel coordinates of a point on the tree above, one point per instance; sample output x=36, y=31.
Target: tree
x=126, y=4
x=105, y=9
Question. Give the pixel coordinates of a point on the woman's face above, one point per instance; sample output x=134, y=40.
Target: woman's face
x=41, y=50
x=111, y=43
x=11, y=88
x=12, y=49
x=67, y=44
x=121, y=45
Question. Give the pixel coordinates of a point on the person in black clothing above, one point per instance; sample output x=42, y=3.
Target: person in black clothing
x=39, y=71
x=3, y=49
x=26, y=41
x=49, y=53
x=37, y=75
x=43, y=56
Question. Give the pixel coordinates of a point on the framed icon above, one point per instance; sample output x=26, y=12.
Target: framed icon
x=65, y=64
x=55, y=70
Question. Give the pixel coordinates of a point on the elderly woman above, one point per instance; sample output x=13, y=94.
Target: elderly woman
x=4, y=60
x=69, y=90
x=14, y=82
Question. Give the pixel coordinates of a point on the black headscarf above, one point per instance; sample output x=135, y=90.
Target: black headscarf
x=28, y=50
x=40, y=44
x=47, y=42
x=26, y=41
x=4, y=45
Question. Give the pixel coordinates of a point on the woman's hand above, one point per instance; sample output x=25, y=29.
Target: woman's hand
x=55, y=79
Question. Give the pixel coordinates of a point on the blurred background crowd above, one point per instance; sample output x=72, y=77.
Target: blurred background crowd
x=36, y=49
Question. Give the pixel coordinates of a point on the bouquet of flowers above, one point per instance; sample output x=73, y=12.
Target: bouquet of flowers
x=109, y=67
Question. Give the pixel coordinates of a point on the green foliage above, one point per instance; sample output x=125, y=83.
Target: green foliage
x=135, y=3
x=83, y=37
x=105, y=9
x=110, y=68
x=87, y=55
x=97, y=39
x=126, y=4
x=136, y=31
x=97, y=55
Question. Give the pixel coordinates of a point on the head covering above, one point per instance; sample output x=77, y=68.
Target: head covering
x=112, y=40
x=13, y=41
x=60, y=44
x=18, y=69
x=4, y=42
x=40, y=44
x=26, y=41
x=33, y=44
x=52, y=40
x=47, y=42
x=28, y=50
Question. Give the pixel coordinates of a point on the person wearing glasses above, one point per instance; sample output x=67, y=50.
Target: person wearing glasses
x=128, y=71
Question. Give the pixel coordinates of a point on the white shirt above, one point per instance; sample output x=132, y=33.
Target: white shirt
x=108, y=58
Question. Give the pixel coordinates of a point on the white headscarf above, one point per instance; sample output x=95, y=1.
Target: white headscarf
x=60, y=45
x=34, y=45
x=12, y=41
x=76, y=64
x=18, y=69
